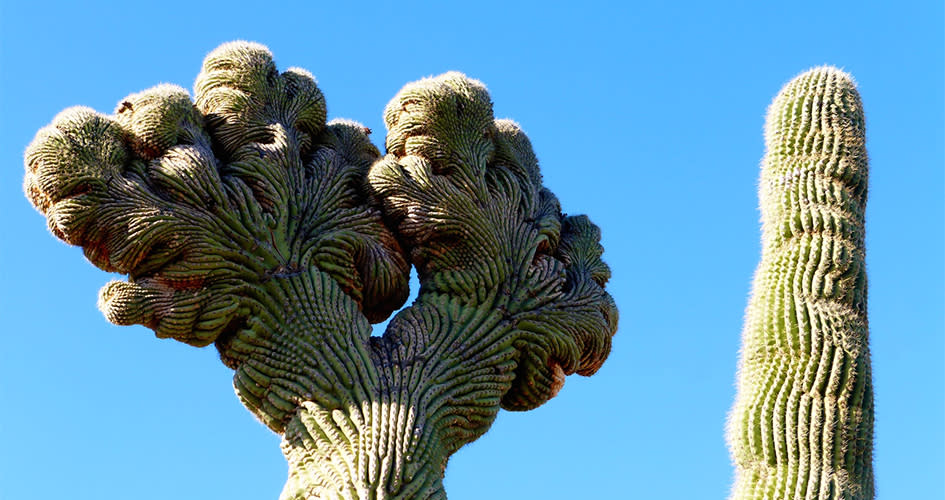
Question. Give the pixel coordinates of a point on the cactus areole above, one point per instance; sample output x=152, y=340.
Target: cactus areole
x=242, y=219
x=802, y=424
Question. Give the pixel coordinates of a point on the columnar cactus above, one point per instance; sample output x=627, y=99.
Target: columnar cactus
x=802, y=423
x=244, y=220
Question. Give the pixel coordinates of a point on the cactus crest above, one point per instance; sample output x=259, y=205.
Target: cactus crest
x=802, y=423
x=243, y=220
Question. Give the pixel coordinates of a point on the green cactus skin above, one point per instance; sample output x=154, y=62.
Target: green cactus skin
x=802, y=423
x=243, y=220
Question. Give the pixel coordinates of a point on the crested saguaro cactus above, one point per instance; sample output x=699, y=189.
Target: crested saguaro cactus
x=243, y=220
x=802, y=423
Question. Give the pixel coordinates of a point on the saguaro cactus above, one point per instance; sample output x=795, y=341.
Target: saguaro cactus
x=802, y=423
x=243, y=220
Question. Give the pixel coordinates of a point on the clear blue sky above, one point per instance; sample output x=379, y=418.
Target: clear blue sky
x=648, y=117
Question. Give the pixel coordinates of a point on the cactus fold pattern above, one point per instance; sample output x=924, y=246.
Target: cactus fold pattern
x=242, y=219
x=802, y=423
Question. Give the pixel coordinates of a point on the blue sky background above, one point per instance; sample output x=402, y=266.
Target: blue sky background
x=648, y=117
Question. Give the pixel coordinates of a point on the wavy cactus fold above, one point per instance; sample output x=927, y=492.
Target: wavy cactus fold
x=802, y=422
x=242, y=219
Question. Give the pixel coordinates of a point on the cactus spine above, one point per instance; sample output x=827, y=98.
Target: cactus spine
x=802, y=422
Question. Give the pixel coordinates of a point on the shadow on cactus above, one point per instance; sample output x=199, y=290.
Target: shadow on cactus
x=243, y=219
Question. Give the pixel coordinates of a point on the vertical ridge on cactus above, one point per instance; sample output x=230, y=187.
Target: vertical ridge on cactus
x=243, y=220
x=802, y=422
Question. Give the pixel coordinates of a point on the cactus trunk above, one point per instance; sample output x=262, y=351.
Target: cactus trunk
x=802, y=423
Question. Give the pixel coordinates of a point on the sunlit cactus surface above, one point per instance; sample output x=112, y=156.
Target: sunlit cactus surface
x=802, y=425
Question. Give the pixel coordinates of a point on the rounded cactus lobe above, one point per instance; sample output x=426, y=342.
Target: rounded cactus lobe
x=193, y=316
x=464, y=191
x=351, y=140
x=98, y=194
x=514, y=150
x=272, y=128
x=446, y=120
x=61, y=165
x=244, y=97
x=441, y=141
x=581, y=251
x=573, y=333
x=145, y=193
x=74, y=167
x=159, y=118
